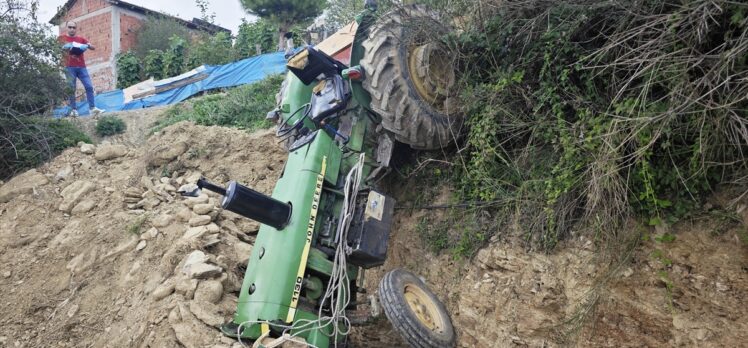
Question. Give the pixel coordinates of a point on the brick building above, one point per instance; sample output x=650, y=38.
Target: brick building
x=111, y=26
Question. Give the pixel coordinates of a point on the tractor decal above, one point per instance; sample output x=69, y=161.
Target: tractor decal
x=309, y=233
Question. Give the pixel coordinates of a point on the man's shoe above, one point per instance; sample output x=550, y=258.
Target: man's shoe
x=96, y=111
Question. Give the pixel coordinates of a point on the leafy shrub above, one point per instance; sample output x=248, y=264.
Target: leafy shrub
x=35, y=140
x=242, y=107
x=128, y=70
x=261, y=32
x=174, y=58
x=153, y=65
x=587, y=112
x=212, y=50
x=31, y=83
x=154, y=33
x=110, y=125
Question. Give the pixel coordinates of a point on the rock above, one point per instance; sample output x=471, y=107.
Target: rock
x=204, y=271
x=203, y=208
x=200, y=220
x=184, y=214
x=194, y=258
x=149, y=203
x=193, y=177
x=64, y=173
x=162, y=220
x=209, y=291
x=73, y=193
x=192, y=201
x=627, y=272
x=242, y=252
x=88, y=149
x=190, y=331
x=146, y=182
x=211, y=240
x=164, y=154
x=203, y=312
x=22, y=184
x=133, y=192
x=162, y=291
x=83, y=207
x=721, y=287
x=195, y=232
x=109, y=189
x=73, y=310
x=213, y=228
x=131, y=200
x=169, y=188
x=141, y=245
x=186, y=287
x=7, y=274
x=150, y=234
x=108, y=152
x=164, y=180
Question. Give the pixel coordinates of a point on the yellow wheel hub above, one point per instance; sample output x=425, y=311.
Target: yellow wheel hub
x=425, y=309
x=431, y=73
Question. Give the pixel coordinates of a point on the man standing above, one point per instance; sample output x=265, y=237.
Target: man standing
x=75, y=65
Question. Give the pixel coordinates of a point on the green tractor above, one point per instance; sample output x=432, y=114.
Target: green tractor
x=327, y=221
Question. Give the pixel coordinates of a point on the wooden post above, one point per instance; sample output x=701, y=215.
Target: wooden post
x=258, y=47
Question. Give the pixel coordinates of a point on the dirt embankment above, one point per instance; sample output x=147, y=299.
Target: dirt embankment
x=99, y=251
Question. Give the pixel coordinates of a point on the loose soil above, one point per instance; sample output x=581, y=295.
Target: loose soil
x=98, y=250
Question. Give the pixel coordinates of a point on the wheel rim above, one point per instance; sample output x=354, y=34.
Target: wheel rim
x=430, y=73
x=425, y=310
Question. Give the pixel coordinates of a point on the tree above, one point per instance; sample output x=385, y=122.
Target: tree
x=31, y=83
x=155, y=34
x=342, y=12
x=284, y=13
x=261, y=32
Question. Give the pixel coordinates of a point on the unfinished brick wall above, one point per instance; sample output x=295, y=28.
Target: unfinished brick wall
x=129, y=26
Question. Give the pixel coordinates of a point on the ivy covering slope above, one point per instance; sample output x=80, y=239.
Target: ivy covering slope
x=581, y=113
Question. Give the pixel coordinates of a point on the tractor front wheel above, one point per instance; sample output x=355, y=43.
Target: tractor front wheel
x=414, y=311
x=411, y=79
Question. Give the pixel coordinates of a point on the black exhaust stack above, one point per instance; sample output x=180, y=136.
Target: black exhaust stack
x=251, y=204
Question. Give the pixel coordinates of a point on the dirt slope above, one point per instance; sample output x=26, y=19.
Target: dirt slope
x=97, y=250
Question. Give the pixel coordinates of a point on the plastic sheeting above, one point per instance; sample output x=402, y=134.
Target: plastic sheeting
x=241, y=72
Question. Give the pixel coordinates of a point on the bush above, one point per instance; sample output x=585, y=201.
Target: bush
x=587, y=111
x=110, y=125
x=154, y=35
x=242, y=107
x=128, y=70
x=31, y=83
x=34, y=140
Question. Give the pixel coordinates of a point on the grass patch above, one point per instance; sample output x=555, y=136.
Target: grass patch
x=110, y=125
x=243, y=107
x=136, y=227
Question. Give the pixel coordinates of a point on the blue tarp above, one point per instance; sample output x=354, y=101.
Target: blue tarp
x=242, y=72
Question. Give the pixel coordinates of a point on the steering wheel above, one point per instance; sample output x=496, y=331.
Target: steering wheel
x=284, y=129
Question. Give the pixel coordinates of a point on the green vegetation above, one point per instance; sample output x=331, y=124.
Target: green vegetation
x=30, y=85
x=583, y=113
x=110, y=125
x=284, y=14
x=243, y=107
x=136, y=227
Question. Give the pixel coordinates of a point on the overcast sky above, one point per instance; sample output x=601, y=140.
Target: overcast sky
x=229, y=13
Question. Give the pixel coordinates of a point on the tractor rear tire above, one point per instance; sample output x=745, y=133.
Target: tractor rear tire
x=410, y=78
x=414, y=311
